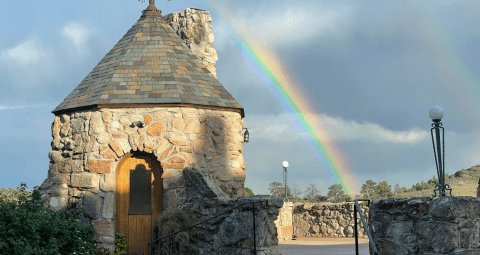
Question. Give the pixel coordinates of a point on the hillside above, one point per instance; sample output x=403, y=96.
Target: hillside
x=463, y=183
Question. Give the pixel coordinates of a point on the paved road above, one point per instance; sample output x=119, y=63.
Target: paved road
x=296, y=249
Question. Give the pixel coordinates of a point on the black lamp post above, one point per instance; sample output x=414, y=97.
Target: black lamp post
x=436, y=114
x=285, y=165
x=245, y=135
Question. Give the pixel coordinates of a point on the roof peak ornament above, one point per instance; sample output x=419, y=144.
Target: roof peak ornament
x=151, y=10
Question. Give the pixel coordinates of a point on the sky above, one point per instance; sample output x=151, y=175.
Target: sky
x=339, y=89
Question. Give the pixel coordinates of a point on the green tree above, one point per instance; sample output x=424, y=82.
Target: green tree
x=319, y=198
x=368, y=189
x=275, y=189
x=383, y=190
x=289, y=192
x=248, y=192
x=434, y=180
x=397, y=188
x=343, y=198
x=335, y=191
x=296, y=192
x=311, y=191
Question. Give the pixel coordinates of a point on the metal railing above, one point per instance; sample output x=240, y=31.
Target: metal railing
x=358, y=209
x=154, y=244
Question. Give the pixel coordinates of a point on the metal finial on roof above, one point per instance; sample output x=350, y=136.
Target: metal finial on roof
x=152, y=10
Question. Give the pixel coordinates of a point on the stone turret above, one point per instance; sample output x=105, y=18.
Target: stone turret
x=150, y=101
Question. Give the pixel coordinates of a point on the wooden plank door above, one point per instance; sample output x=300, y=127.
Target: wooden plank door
x=136, y=223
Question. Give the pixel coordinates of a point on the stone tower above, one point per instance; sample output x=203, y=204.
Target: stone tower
x=149, y=109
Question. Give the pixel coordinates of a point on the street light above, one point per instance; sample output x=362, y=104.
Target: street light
x=436, y=114
x=285, y=165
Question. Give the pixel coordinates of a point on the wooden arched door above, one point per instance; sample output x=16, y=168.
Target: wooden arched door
x=137, y=203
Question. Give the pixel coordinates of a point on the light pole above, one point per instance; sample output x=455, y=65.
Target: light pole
x=285, y=165
x=436, y=114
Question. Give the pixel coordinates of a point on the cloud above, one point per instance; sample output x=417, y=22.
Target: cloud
x=284, y=27
x=78, y=35
x=21, y=106
x=285, y=128
x=25, y=54
x=28, y=64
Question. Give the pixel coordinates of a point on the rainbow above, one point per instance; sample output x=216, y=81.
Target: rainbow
x=269, y=68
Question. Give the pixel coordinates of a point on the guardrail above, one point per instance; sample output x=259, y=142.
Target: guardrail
x=153, y=244
x=355, y=210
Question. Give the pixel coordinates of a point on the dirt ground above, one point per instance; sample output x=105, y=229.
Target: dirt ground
x=323, y=241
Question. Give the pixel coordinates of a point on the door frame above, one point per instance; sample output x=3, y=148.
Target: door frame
x=125, y=223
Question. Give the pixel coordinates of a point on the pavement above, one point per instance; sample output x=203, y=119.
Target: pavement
x=324, y=241
x=320, y=246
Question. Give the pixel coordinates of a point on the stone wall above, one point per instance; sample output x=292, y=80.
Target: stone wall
x=193, y=26
x=87, y=147
x=232, y=232
x=426, y=225
x=320, y=220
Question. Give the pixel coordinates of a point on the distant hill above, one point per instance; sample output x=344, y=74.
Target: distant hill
x=463, y=183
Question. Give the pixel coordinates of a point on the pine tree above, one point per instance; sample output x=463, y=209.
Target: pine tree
x=275, y=189
x=248, y=192
x=311, y=191
x=368, y=189
x=335, y=191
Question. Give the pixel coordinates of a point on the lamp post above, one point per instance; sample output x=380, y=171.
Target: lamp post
x=436, y=114
x=285, y=165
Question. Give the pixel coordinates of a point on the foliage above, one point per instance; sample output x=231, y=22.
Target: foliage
x=311, y=191
x=174, y=220
x=296, y=193
x=424, y=185
x=335, y=191
x=32, y=229
x=248, y=192
x=319, y=198
x=289, y=192
x=368, y=189
x=275, y=189
x=278, y=190
x=343, y=198
x=383, y=190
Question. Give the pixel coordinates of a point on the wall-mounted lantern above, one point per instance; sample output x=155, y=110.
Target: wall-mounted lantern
x=245, y=135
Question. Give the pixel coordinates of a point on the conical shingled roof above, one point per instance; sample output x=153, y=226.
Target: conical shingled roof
x=150, y=65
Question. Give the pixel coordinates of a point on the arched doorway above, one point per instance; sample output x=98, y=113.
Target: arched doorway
x=137, y=203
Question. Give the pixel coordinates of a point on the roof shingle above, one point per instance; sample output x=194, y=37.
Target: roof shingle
x=150, y=64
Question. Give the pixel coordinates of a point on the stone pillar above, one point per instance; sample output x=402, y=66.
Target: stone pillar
x=193, y=26
x=284, y=222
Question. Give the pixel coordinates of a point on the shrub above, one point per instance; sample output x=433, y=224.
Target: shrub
x=32, y=229
x=171, y=221
x=343, y=198
x=29, y=228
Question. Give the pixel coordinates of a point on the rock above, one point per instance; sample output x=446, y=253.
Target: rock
x=425, y=225
x=193, y=26
x=319, y=220
x=232, y=233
